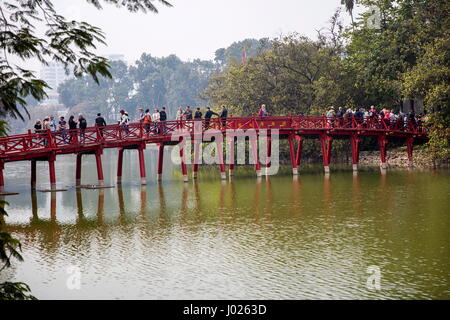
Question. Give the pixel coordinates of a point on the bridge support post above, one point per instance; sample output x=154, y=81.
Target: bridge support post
x=409, y=146
x=268, y=153
x=2, y=181
x=183, y=162
x=298, y=156
x=33, y=174
x=382, y=143
x=142, y=164
x=293, y=155
x=98, y=161
x=160, y=161
x=230, y=156
x=78, y=170
x=52, y=172
x=254, y=147
x=196, y=159
x=120, y=165
x=326, y=142
x=355, y=140
x=223, y=174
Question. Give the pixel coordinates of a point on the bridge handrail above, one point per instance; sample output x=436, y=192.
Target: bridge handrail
x=48, y=140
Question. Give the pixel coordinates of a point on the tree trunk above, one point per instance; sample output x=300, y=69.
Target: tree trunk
x=411, y=105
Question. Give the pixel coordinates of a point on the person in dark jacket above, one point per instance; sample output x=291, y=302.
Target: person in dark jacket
x=223, y=115
x=82, y=124
x=209, y=113
x=188, y=113
x=100, y=123
x=163, y=119
x=198, y=114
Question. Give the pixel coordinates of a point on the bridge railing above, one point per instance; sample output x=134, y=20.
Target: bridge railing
x=25, y=143
x=46, y=140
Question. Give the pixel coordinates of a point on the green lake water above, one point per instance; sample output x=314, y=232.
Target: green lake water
x=310, y=237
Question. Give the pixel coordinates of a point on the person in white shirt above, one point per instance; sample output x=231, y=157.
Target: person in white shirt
x=155, y=119
x=124, y=120
x=180, y=113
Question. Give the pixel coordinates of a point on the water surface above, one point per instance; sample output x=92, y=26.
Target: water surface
x=279, y=238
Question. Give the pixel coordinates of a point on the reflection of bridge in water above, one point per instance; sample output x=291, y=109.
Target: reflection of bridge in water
x=45, y=146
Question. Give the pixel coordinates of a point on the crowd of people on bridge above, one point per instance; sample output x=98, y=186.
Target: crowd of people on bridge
x=155, y=121
x=371, y=117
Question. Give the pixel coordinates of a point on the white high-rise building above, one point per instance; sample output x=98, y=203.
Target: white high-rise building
x=54, y=74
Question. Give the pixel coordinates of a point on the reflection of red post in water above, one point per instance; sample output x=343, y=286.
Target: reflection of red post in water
x=53, y=206
x=100, y=205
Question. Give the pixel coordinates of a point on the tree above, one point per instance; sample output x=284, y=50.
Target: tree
x=70, y=42
x=349, y=5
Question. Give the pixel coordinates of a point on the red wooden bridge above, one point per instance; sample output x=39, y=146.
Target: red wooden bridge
x=46, y=146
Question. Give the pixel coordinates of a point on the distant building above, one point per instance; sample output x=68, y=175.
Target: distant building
x=53, y=74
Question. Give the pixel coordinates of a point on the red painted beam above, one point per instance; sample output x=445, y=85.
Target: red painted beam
x=78, y=169
x=142, y=164
x=160, y=161
x=51, y=167
x=223, y=174
x=33, y=174
x=196, y=158
x=98, y=161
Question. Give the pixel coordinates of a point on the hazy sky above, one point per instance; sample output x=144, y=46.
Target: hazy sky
x=196, y=28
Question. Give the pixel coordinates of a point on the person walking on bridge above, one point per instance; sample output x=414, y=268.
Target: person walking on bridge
x=209, y=113
x=156, y=118
x=82, y=124
x=62, y=127
x=100, y=123
x=262, y=113
x=163, y=119
x=147, y=120
x=223, y=116
x=198, y=114
x=188, y=113
x=124, y=121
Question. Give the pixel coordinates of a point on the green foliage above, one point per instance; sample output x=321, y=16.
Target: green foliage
x=15, y=291
x=70, y=42
x=151, y=83
x=10, y=248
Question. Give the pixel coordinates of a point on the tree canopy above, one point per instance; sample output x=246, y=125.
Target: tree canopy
x=71, y=43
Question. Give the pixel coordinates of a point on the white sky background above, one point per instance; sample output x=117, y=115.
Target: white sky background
x=196, y=28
